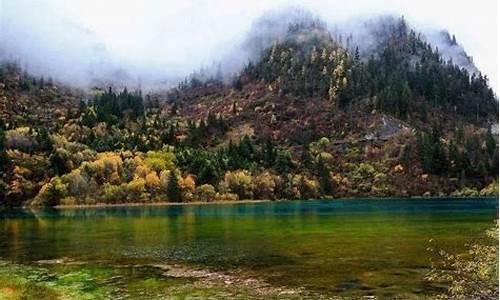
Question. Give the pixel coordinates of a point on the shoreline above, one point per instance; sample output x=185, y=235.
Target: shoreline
x=137, y=204
x=163, y=203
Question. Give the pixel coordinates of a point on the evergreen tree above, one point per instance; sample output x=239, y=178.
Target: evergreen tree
x=306, y=158
x=43, y=140
x=283, y=163
x=324, y=177
x=173, y=189
x=491, y=144
x=455, y=158
x=208, y=173
x=246, y=149
x=3, y=150
x=237, y=84
x=58, y=159
x=174, y=109
x=269, y=153
x=433, y=156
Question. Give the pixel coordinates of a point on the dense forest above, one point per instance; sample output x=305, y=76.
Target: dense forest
x=311, y=118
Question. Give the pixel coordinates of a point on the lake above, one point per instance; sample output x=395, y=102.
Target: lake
x=299, y=249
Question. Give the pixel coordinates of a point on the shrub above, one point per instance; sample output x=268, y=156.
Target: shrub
x=326, y=157
x=152, y=182
x=238, y=182
x=135, y=188
x=465, y=192
x=264, y=186
x=160, y=160
x=490, y=190
x=19, y=138
x=227, y=197
x=205, y=192
x=471, y=275
x=187, y=183
x=68, y=201
x=77, y=184
x=51, y=193
x=114, y=193
x=308, y=187
x=108, y=167
x=164, y=175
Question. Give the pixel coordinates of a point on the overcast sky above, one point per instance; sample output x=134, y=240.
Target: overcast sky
x=178, y=36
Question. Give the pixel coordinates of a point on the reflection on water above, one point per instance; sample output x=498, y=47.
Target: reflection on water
x=345, y=246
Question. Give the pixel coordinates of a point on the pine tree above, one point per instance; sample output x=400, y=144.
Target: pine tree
x=491, y=144
x=356, y=55
x=432, y=152
x=173, y=189
x=43, y=140
x=324, y=177
x=455, y=158
x=269, y=153
x=306, y=158
x=303, y=189
x=3, y=150
x=237, y=84
x=246, y=149
x=283, y=163
x=208, y=173
x=174, y=109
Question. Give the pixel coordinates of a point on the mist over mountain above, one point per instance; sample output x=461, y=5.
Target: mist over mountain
x=70, y=52
x=366, y=33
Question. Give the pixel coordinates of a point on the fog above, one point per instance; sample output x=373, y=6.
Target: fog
x=153, y=43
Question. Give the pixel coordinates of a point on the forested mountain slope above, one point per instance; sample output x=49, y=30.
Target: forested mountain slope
x=313, y=116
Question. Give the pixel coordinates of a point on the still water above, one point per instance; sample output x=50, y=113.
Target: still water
x=352, y=247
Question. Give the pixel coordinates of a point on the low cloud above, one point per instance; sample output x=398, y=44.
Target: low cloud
x=152, y=44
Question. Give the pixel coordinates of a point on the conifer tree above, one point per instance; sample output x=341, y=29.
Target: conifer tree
x=3, y=150
x=324, y=177
x=306, y=158
x=173, y=189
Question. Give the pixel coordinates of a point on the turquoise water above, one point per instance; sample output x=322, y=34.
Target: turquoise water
x=333, y=247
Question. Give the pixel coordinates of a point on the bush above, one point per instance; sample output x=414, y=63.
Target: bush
x=472, y=275
x=77, y=184
x=20, y=138
x=227, y=197
x=108, y=167
x=205, y=192
x=114, y=193
x=187, y=184
x=160, y=160
x=264, y=186
x=238, y=182
x=490, y=190
x=466, y=192
x=152, y=182
x=308, y=187
x=51, y=193
x=135, y=189
x=68, y=201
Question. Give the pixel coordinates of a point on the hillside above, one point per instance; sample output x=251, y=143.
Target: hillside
x=313, y=116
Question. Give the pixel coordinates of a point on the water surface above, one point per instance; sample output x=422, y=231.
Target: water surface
x=342, y=247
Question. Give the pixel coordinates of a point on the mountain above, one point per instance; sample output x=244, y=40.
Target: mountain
x=313, y=114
